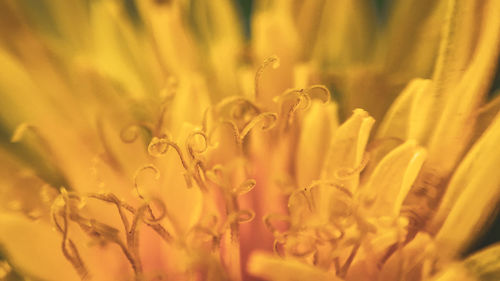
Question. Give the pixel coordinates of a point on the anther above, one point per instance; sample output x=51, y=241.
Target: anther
x=141, y=170
x=332, y=184
x=197, y=143
x=324, y=95
x=274, y=62
x=244, y=187
x=158, y=146
x=271, y=219
x=267, y=119
x=346, y=173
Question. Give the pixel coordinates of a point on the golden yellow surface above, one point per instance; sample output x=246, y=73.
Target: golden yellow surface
x=155, y=140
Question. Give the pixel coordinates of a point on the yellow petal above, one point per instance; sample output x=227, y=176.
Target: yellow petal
x=274, y=34
x=486, y=115
x=472, y=194
x=347, y=149
x=406, y=117
x=218, y=29
x=455, y=273
x=309, y=14
x=406, y=263
x=393, y=177
x=345, y=33
x=57, y=21
x=113, y=42
x=367, y=87
x=34, y=248
x=462, y=76
x=466, y=36
x=273, y=268
x=299, y=205
x=16, y=85
x=191, y=88
x=318, y=128
x=173, y=43
x=411, y=39
x=484, y=265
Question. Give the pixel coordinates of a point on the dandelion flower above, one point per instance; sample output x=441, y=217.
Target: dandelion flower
x=171, y=140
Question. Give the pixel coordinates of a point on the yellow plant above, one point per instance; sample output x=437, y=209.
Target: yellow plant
x=153, y=140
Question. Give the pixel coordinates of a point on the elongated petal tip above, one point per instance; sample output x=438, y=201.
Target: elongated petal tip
x=277, y=269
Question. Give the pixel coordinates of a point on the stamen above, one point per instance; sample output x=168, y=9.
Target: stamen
x=152, y=219
x=302, y=101
x=268, y=120
x=152, y=222
x=332, y=184
x=304, y=193
x=236, y=101
x=191, y=143
x=94, y=228
x=328, y=233
x=239, y=216
x=188, y=180
x=346, y=173
x=278, y=245
x=101, y=229
x=204, y=122
x=199, y=170
x=288, y=94
x=244, y=188
x=235, y=129
x=302, y=246
x=142, y=169
x=71, y=254
x=269, y=220
x=215, y=175
x=111, y=198
x=240, y=113
x=135, y=222
x=198, y=232
x=324, y=97
x=158, y=146
x=272, y=60
x=179, y=152
x=161, y=117
x=105, y=232
x=238, y=110
x=244, y=216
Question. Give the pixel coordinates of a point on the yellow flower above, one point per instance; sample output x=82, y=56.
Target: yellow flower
x=152, y=140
